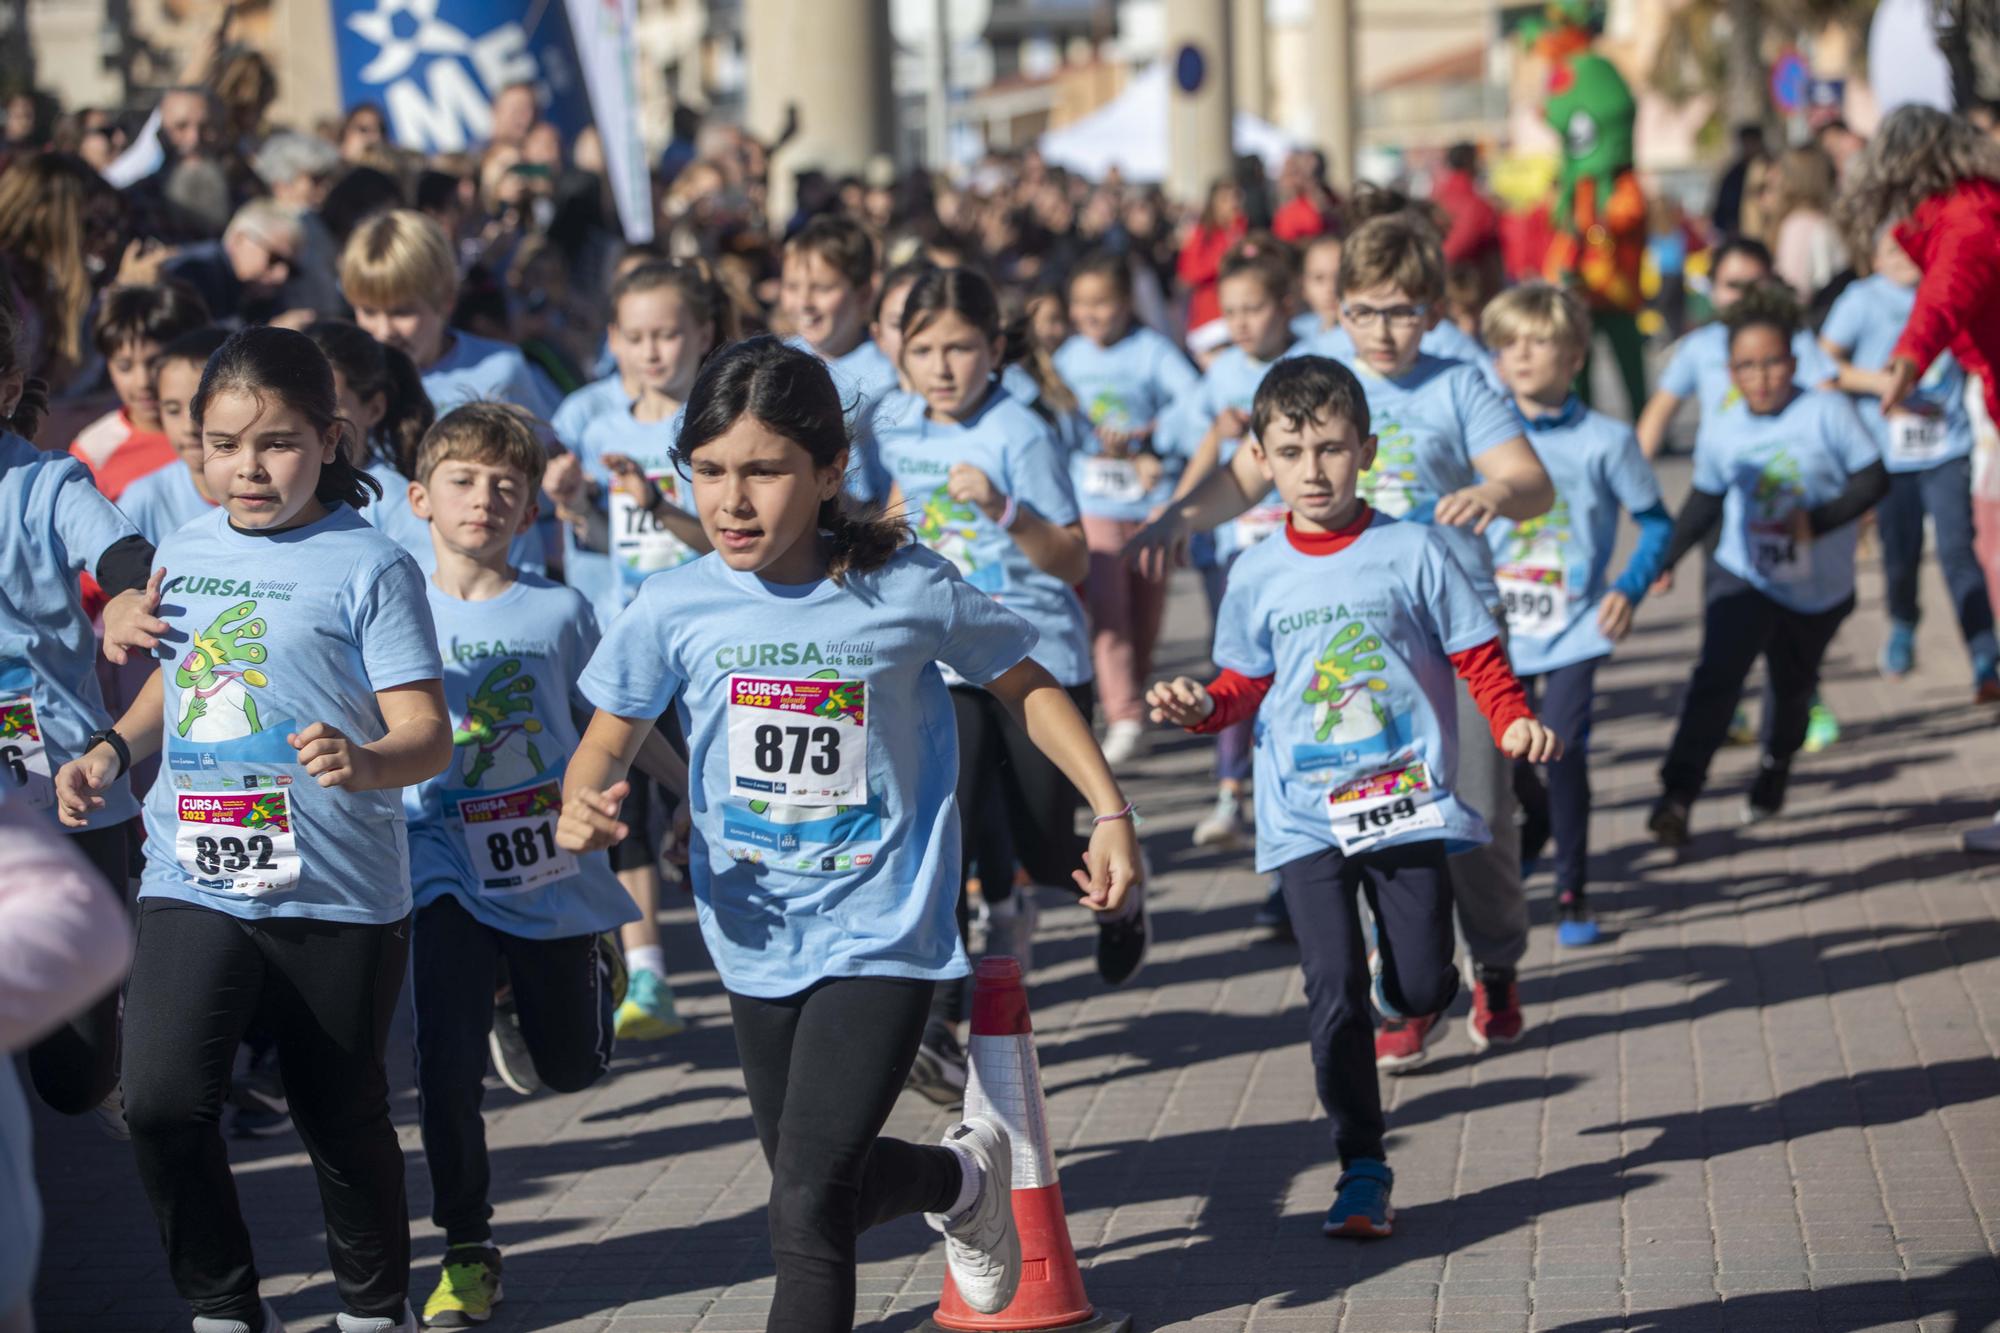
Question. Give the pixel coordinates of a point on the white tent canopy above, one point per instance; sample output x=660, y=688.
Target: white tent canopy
x=1130, y=133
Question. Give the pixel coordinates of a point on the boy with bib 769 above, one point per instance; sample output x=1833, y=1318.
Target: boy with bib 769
x=1342, y=638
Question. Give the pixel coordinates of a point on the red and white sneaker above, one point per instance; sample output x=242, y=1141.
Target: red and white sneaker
x=1404, y=1043
x=1496, y=1006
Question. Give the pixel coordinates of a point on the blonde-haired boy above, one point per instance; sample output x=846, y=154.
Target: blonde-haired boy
x=1563, y=614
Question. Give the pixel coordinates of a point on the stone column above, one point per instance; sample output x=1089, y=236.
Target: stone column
x=830, y=58
x=1200, y=96
x=1250, y=63
x=1336, y=112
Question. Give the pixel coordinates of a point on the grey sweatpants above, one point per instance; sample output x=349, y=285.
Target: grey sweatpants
x=1486, y=881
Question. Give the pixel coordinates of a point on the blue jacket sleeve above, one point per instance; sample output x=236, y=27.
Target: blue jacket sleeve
x=1656, y=529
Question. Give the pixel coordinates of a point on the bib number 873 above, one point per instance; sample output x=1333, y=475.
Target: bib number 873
x=527, y=845
x=214, y=856
x=817, y=746
x=1378, y=817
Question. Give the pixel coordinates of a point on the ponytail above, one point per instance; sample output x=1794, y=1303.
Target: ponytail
x=790, y=392
x=1052, y=397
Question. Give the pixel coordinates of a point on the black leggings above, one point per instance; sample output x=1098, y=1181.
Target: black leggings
x=565, y=1009
x=76, y=1066
x=327, y=990
x=1009, y=792
x=823, y=1069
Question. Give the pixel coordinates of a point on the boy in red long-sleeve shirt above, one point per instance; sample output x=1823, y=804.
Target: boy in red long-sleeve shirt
x=1342, y=640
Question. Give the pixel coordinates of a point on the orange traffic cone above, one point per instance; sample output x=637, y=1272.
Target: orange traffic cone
x=1005, y=1085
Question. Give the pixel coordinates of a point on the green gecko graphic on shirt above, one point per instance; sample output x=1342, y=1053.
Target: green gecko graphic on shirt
x=1335, y=689
x=1777, y=484
x=220, y=706
x=1538, y=542
x=505, y=750
x=949, y=527
x=1107, y=408
x=1391, y=483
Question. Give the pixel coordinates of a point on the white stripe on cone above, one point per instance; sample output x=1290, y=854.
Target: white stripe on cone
x=1005, y=1083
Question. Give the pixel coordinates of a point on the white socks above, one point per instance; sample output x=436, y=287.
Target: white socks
x=647, y=958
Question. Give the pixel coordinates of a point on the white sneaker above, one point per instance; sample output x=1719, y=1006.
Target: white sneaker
x=1010, y=930
x=1224, y=825
x=981, y=1246
x=1986, y=839
x=272, y=1324
x=354, y=1323
x=1122, y=742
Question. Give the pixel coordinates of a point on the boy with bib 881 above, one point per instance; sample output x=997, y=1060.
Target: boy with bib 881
x=1356, y=740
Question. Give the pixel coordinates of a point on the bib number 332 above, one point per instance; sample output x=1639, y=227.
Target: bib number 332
x=798, y=742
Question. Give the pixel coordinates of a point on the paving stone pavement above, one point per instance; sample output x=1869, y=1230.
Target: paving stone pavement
x=1769, y=1100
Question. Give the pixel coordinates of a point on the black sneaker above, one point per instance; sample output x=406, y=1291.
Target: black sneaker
x=1669, y=820
x=1122, y=945
x=511, y=1058
x=1767, y=792
x=939, y=1072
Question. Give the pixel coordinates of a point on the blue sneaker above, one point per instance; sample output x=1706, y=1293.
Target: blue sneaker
x=648, y=1012
x=1986, y=681
x=1576, y=928
x=1899, y=651
x=1361, y=1202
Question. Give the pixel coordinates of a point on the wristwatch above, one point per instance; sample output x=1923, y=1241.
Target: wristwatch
x=118, y=747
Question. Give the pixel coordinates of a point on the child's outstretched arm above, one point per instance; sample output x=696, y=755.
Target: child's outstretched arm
x=78, y=782
x=1206, y=709
x=1228, y=492
x=1656, y=529
x=594, y=784
x=1504, y=704
x=415, y=748
x=1059, y=731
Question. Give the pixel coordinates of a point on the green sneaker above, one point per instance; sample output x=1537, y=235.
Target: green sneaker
x=648, y=1013
x=467, y=1289
x=1742, y=731
x=1822, y=727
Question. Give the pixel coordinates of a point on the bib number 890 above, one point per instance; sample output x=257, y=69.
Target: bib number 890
x=817, y=746
x=1526, y=605
x=522, y=848
x=214, y=856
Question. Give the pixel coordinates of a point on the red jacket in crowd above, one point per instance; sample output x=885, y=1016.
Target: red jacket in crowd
x=1955, y=239
x=1475, y=222
x=1200, y=268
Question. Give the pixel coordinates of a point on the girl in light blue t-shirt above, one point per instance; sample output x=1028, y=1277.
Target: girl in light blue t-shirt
x=299, y=692
x=803, y=659
x=1785, y=472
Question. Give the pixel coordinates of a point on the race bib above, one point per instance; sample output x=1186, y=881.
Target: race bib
x=510, y=837
x=1776, y=555
x=1260, y=523
x=1536, y=598
x=236, y=841
x=1916, y=437
x=640, y=543
x=1388, y=804
x=1113, y=479
x=24, y=759
x=798, y=742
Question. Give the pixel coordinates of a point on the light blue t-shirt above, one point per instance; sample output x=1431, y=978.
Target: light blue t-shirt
x=162, y=500
x=1362, y=713
x=1767, y=467
x=391, y=513
x=1430, y=424
x=863, y=378
x=1699, y=367
x=54, y=525
x=1444, y=340
x=825, y=756
x=1008, y=441
x=1867, y=319
x=479, y=369
x=1231, y=380
x=483, y=831
x=593, y=400
x=1552, y=569
x=1126, y=386
x=641, y=546
x=266, y=636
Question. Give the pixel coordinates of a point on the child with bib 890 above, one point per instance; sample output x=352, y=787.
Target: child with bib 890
x=305, y=696
x=1341, y=637
x=802, y=658
x=1563, y=614
x=495, y=896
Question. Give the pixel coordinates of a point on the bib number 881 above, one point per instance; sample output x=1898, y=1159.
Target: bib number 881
x=817, y=746
x=527, y=845
x=213, y=856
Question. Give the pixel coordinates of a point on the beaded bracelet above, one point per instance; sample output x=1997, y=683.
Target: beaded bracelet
x=1127, y=813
